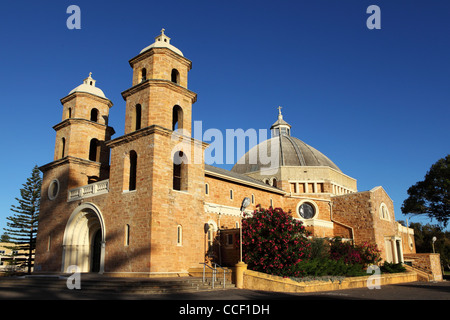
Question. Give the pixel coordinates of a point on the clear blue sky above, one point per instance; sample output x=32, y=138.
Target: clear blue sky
x=376, y=102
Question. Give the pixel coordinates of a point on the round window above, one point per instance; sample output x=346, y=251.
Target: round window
x=53, y=189
x=307, y=211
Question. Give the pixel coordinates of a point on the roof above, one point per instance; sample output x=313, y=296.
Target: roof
x=239, y=178
x=163, y=41
x=290, y=152
x=88, y=86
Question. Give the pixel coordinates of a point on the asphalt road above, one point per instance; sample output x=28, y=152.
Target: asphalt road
x=404, y=291
x=229, y=304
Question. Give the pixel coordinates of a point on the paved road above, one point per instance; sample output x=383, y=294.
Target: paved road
x=245, y=304
x=405, y=291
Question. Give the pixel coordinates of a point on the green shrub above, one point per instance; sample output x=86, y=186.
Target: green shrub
x=392, y=267
x=326, y=267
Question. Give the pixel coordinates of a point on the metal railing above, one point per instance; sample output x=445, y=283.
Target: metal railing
x=214, y=273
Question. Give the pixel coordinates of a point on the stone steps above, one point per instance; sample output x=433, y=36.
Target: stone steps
x=111, y=285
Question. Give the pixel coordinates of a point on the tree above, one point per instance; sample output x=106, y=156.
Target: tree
x=423, y=237
x=273, y=242
x=431, y=196
x=22, y=226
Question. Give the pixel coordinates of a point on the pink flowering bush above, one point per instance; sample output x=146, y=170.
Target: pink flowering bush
x=364, y=254
x=273, y=242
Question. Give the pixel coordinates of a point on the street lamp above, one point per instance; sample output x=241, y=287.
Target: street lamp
x=434, y=240
x=245, y=204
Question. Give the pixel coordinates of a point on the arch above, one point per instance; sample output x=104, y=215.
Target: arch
x=138, y=117
x=177, y=118
x=384, y=212
x=130, y=171
x=94, y=115
x=180, y=181
x=133, y=171
x=274, y=182
x=63, y=147
x=143, y=74
x=84, y=230
x=94, y=154
x=210, y=236
x=175, y=76
x=127, y=235
x=179, y=235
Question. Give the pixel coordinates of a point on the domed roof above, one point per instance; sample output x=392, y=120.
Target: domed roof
x=88, y=86
x=291, y=152
x=163, y=41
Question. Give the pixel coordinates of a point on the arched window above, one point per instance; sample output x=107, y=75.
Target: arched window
x=175, y=77
x=127, y=235
x=93, y=150
x=384, y=212
x=138, y=117
x=179, y=235
x=274, y=182
x=94, y=115
x=177, y=118
x=143, y=75
x=133, y=171
x=69, y=113
x=63, y=147
x=180, y=171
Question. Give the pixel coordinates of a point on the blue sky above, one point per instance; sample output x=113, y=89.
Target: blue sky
x=376, y=102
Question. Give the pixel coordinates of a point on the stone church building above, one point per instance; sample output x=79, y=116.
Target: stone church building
x=136, y=205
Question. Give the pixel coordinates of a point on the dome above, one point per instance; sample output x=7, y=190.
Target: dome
x=162, y=41
x=291, y=152
x=88, y=86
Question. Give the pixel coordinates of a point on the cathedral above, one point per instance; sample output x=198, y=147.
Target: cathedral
x=138, y=205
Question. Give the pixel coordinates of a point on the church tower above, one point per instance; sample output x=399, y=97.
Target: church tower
x=157, y=168
x=159, y=95
x=83, y=131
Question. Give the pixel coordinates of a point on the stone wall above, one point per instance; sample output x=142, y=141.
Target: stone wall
x=428, y=262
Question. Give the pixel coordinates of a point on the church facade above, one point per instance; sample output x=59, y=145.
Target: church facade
x=139, y=205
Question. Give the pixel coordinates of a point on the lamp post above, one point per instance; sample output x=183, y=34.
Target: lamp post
x=245, y=204
x=434, y=240
x=241, y=266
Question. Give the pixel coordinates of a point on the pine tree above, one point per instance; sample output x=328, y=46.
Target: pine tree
x=22, y=226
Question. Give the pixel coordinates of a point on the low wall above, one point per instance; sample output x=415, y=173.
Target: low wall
x=428, y=262
x=260, y=281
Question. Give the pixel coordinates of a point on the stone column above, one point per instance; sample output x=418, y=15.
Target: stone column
x=241, y=267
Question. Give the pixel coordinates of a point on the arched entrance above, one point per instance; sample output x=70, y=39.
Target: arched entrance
x=84, y=240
